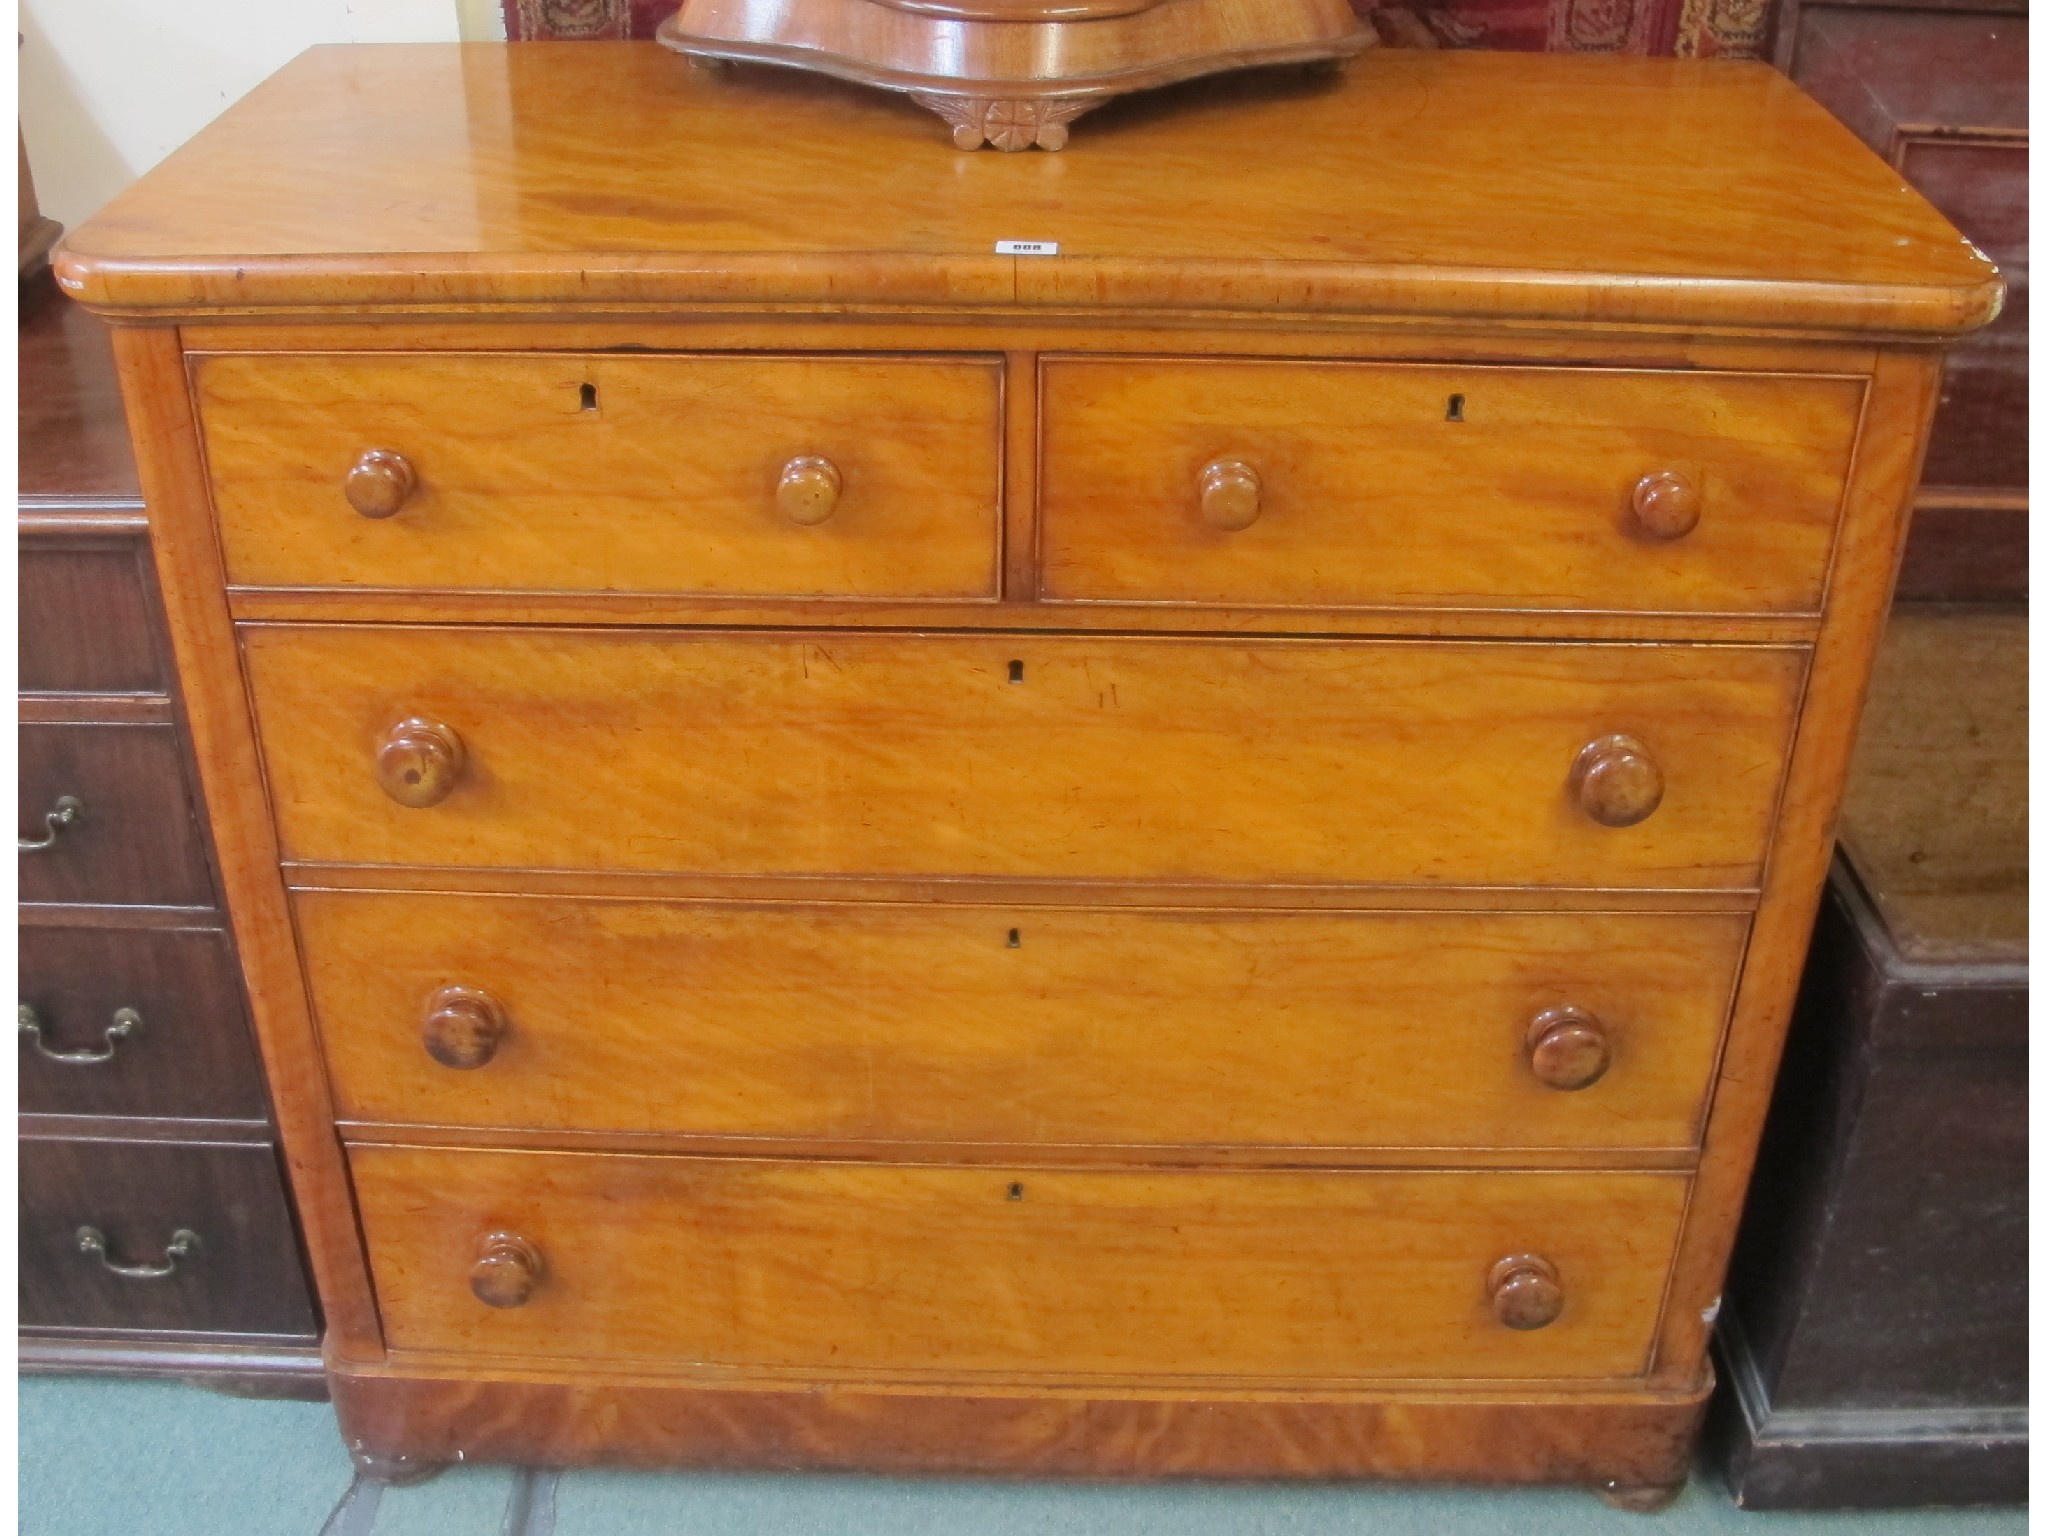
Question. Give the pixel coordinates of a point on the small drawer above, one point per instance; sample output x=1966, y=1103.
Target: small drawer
x=1364, y=484
x=93, y=1209
x=88, y=618
x=1040, y=1026
x=826, y=1268
x=1036, y=756
x=724, y=476
x=134, y=1021
x=105, y=816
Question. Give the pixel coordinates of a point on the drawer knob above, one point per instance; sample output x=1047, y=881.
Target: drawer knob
x=1667, y=504
x=65, y=813
x=1230, y=494
x=183, y=1244
x=463, y=1027
x=506, y=1271
x=126, y=1025
x=1616, y=781
x=380, y=482
x=808, y=491
x=1525, y=1292
x=1568, y=1049
x=419, y=762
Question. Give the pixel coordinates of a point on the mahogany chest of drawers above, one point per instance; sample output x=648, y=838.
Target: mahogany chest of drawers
x=1186, y=855
x=143, y=1111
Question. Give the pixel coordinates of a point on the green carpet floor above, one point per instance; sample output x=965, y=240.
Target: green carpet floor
x=118, y=1458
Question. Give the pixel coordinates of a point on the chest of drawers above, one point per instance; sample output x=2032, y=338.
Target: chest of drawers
x=1185, y=857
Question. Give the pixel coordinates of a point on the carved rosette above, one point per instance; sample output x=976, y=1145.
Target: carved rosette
x=1007, y=123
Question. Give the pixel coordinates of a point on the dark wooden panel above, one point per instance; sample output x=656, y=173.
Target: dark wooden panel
x=1880, y=1281
x=88, y=622
x=138, y=838
x=243, y=1278
x=240, y=1369
x=191, y=1053
x=1941, y=92
x=73, y=434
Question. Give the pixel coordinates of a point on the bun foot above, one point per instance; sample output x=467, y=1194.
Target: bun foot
x=395, y=1471
x=1641, y=1498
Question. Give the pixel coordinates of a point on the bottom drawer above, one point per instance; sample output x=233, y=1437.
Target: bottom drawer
x=242, y=1275
x=836, y=1267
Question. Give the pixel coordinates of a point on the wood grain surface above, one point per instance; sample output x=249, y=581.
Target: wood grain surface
x=1035, y=1273
x=766, y=753
x=1018, y=1024
x=1680, y=193
x=1458, y=486
x=441, y=1408
x=604, y=473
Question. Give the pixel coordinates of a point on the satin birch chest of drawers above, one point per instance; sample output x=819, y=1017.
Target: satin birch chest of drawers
x=1184, y=855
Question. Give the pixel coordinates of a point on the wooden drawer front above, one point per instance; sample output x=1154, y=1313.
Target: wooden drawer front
x=162, y=1006
x=845, y=1267
x=1136, y=759
x=667, y=483
x=1368, y=495
x=870, y=1022
x=88, y=624
x=135, y=839
x=243, y=1276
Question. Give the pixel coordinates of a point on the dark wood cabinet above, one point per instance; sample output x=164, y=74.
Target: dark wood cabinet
x=1940, y=91
x=143, y=1111
x=1874, y=1332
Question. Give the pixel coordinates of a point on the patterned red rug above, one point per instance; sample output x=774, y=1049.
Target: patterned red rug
x=1686, y=28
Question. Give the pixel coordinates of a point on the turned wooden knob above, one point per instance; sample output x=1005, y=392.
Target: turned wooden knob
x=1525, y=1292
x=1568, y=1049
x=506, y=1271
x=808, y=491
x=1667, y=504
x=463, y=1027
x=419, y=761
x=1616, y=781
x=380, y=482
x=1230, y=494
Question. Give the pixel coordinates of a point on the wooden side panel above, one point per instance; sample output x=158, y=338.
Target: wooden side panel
x=1889, y=451
x=1040, y=1273
x=441, y=1411
x=570, y=472
x=1020, y=1025
x=1460, y=486
x=772, y=753
x=224, y=745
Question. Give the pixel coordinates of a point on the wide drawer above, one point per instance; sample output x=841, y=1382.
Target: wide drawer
x=1022, y=755
x=148, y=1021
x=1041, y=1025
x=88, y=619
x=239, y=1272
x=1466, y=486
x=603, y=473
x=827, y=1268
x=108, y=810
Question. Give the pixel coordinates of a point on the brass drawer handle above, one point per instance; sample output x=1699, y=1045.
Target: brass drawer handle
x=126, y=1026
x=380, y=482
x=808, y=491
x=183, y=1244
x=1568, y=1049
x=1525, y=1292
x=65, y=813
